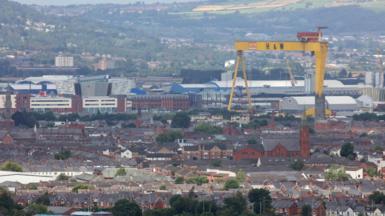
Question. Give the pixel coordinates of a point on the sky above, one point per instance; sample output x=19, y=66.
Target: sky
x=71, y=2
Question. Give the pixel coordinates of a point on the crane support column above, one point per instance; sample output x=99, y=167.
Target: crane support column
x=320, y=105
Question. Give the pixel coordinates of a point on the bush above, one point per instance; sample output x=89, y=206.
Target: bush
x=121, y=172
x=297, y=165
x=198, y=180
x=78, y=187
x=181, y=120
x=63, y=155
x=179, y=180
x=336, y=173
x=231, y=184
x=62, y=177
x=208, y=129
x=11, y=166
x=169, y=136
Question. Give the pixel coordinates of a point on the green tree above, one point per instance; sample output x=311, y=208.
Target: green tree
x=216, y=163
x=62, y=177
x=181, y=120
x=159, y=212
x=169, y=136
x=81, y=186
x=261, y=200
x=198, y=180
x=179, y=180
x=234, y=205
x=163, y=187
x=241, y=176
x=208, y=129
x=125, y=207
x=231, y=184
x=121, y=172
x=372, y=172
x=377, y=197
x=347, y=150
x=297, y=165
x=11, y=166
x=35, y=209
x=24, y=119
x=306, y=210
x=336, y=173
x=63, y=155
x=7, y=204
x=43, y=199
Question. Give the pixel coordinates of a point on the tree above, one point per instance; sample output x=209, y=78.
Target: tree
x=11, y=166
x=241, y=176
x=216, y=163
x=7, y=204
x=306, y=210
x=181, y=120
x=43, y=199
x=159, y=212
x=234, y=205
x=63, y=155
x=347, y=150
x=125, y=207
x=336, y=173
x=208, y=129
x=168, y=137
x=231, y=184
x=78, y=187
x=297, y=165
x=35, y=209
x=121, y=172
x=372, y=172
x=198, y=180
x=163, y=187
x=179, y=180
x=252, y=141
x=24, y=119
x=261, y=200
x=377, y=197
x=62, y=177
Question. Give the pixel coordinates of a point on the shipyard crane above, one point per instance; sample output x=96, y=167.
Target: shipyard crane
x=291, y=74
x=381, y=68
x=307, y=42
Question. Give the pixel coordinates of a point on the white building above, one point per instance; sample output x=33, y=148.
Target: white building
x=100, y=104
x=127, y=154
x=42, y=104
x=335, y=103
x=3, y=99
x=34, y=177
x=64, y=84
x=64, y=61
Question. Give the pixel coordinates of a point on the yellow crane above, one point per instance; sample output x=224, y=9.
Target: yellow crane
x=307, y=42
x=381, y=68
x=291, y=74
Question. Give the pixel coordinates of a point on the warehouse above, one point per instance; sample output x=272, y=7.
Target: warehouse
x=335, y=103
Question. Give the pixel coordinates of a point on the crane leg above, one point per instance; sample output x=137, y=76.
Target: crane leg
x=319, y=83
x=229, y=106
x=246, y=83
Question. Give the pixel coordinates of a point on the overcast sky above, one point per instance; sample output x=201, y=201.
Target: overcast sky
x=69, y=2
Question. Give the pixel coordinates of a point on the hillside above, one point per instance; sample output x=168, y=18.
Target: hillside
x=286, y=5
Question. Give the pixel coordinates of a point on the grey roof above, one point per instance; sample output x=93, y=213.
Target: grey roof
x=291, y=144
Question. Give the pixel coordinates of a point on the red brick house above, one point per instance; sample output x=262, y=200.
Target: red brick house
x=277, y=146
x=206, y=151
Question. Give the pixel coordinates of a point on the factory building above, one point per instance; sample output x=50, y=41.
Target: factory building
x=93, y=86
x=65, y=85
x=27, y=87
x=299, y=104
x=165, y=102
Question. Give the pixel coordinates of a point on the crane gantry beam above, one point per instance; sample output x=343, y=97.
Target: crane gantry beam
x=317, y=48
